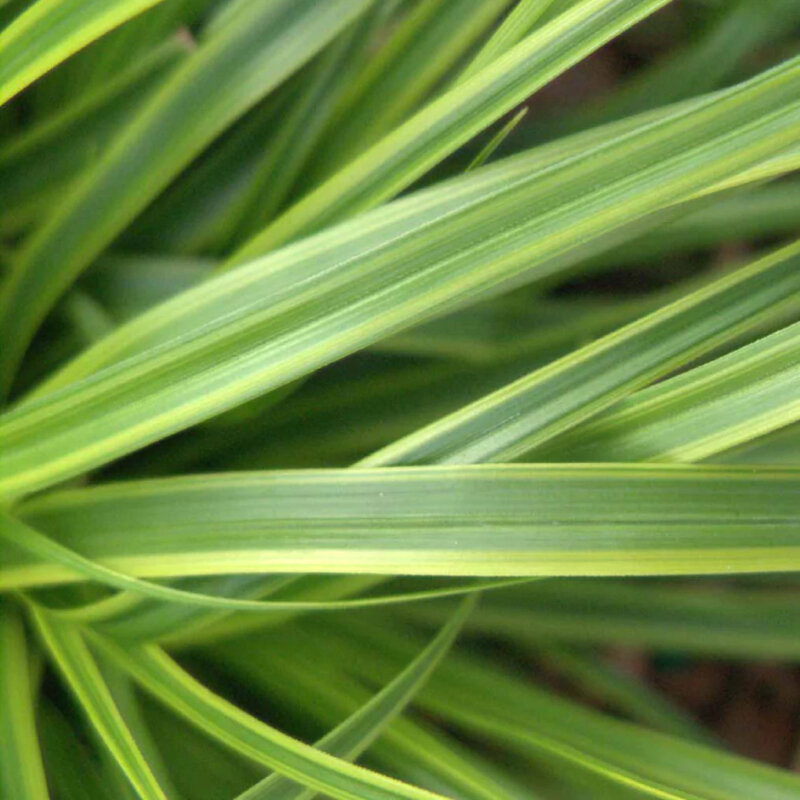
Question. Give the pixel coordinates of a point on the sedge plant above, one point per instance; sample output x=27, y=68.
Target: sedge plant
x=352, y=363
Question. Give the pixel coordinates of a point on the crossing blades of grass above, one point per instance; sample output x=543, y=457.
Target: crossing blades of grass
x=274, y=320
x=517, y=417
x=226, y=75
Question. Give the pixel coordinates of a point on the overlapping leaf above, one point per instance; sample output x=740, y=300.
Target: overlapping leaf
x=276, y=319
x=234, y=68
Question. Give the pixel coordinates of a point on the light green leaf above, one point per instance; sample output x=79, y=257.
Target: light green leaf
x=21, y=771
x=516, y=418
x=518, y=23
x=81, y=673
x=510, y=520
x=162, y=677
x=712, y=408
x=25, y=538
x=52, y=30
x=278, y=318
x=779, y=447
x=217, y=83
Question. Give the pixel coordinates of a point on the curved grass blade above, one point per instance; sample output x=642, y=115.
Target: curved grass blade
x=407, y=745
x=276, y=319
x=545, y=728
x=495, y=521
x=25, y=538
x=77, y=665
x=355, y=734
x=163, y=678
x=52, y=30
x=21, y=770
x=217, y=83
x=533, y=409
x=127, y=616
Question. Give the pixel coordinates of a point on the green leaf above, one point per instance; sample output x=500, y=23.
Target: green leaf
x=546, y=729
x=351, y=737
x=50, y=31
x=510, y=520
x=517, y=417
x=454, y=118
x=705, y=62
x=426, y=47
x=779, y=447
x=79, y=775
x=163, y=678
x=768, y=211
x=25, y=538
x=724, y=621
x=38, y=165
x=280, y=317
x=217, y=83
x=21, y=771
x=77, y=665
x=123, y=693
x=407, y=745
x=707, y=410
x=630, y=694
x=515, y=26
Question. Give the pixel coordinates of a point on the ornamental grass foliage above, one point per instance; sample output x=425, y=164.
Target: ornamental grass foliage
x=396, y=396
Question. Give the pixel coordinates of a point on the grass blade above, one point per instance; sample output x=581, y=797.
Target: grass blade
x=217, y=83
x=351, y=737
x=728, y=402
x=516, y=418
x=274, y=320
x=21, y=771
x=502, y=520
x=83, y=676
x=25, y=538
x=162, y=677
x=454, y=118
x=52, y=30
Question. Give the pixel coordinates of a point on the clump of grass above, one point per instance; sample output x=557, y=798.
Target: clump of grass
x=344, y=372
